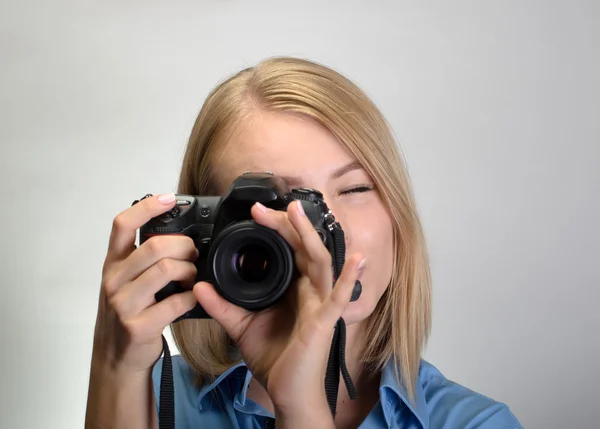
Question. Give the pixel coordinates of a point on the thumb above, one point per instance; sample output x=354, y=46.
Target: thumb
x=232, y=317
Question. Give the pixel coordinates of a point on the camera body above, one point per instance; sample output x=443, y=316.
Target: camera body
x=249, y=265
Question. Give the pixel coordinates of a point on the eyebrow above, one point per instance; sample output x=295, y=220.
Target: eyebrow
x=354, y=165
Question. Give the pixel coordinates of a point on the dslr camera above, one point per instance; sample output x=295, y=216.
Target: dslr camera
x=250, y=265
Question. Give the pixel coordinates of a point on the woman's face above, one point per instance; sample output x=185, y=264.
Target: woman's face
x=308, y=155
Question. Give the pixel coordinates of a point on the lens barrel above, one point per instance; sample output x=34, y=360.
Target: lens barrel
x=252, y=265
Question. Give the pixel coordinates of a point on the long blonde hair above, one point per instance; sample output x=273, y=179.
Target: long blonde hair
x=400, y=324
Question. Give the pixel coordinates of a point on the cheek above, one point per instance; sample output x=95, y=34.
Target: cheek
x=372, y=235
x=383, y=250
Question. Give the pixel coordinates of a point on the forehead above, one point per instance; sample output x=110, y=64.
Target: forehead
x=286, y=144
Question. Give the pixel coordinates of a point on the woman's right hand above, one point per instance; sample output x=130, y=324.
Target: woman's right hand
x=129, y=325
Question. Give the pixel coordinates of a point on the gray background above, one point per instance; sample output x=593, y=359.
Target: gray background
x=495, y=103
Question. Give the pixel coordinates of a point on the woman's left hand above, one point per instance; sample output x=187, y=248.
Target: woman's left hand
x=286, y=346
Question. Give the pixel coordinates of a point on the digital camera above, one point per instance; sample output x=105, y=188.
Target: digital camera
x=249, y=265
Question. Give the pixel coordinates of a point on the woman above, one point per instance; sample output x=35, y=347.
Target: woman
x=308, y=124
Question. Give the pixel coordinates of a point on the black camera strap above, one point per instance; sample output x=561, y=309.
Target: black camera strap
x=335, y=364
x=166, y=407
x=337, y=353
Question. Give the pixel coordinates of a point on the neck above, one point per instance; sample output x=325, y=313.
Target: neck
x=355, y=345
x=350, y=413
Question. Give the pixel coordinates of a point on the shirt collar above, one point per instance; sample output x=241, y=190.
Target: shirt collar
x=235, y=373
x=391, y=393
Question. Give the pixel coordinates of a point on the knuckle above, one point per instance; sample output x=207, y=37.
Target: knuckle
x=178, y=304
x=188, y=241
x=164, y=267
x=155, y=245
x=110, y=285
x=191, y=270
x=187, y=244
x=118, y=305
x=119, y=222
x=337, y=300
x=340, y=298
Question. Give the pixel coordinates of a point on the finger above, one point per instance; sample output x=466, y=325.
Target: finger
x=154, y=319
x=334, y=305
x=125, y=224
x=153, y=250
x=233, y=318
x=135, y=296
x=319, y=264
x=278, y=221
x=303, y=297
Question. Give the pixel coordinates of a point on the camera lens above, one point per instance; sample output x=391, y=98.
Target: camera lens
x=252, y=263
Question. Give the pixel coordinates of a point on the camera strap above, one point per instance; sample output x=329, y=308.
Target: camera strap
x=337, y=353
x=335, y=364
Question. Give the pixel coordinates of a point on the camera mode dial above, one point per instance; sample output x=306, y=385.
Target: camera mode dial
x=307, y=194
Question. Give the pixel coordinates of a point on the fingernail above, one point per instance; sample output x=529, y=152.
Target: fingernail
x=166, y=198
x=361, y=267
x=261, y=207
x=300, y=208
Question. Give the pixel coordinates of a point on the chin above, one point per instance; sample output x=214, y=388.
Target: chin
x=357, y=311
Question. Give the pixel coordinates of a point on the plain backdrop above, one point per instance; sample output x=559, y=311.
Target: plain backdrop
x=496, y=107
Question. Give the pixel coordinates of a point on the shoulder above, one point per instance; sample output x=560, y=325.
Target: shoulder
x=452, y=405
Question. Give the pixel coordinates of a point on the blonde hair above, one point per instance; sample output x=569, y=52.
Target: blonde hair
x=399, y=326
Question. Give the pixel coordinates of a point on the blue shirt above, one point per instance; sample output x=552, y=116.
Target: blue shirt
x=440, y=403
